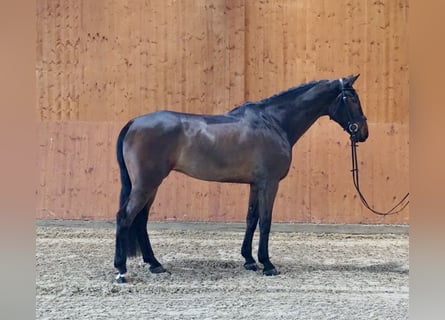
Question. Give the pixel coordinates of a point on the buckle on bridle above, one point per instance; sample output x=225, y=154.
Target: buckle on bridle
x=353, y=128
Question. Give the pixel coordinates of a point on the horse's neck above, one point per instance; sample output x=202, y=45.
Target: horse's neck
x=297, y=115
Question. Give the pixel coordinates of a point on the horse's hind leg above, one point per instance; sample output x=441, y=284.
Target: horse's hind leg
x=144, y=241
x=125, y=218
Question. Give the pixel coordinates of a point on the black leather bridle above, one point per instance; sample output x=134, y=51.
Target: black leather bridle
x=352, y=125
x=352, y=128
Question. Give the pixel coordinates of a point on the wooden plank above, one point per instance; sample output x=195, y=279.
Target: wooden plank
x=79, y=177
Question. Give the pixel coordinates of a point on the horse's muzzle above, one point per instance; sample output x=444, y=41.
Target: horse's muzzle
x=361, y=133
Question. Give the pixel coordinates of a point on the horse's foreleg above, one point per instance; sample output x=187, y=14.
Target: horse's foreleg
x=251, y=223
x=266, y=199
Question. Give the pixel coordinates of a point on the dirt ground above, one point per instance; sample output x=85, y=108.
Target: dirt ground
x=323, y=276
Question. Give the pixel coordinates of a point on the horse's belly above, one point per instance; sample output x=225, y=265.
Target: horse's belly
x=210, y=167
x=243, y=164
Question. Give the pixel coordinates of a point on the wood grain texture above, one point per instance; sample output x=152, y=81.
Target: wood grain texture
x=100, y=63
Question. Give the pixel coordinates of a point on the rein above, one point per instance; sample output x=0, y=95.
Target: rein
x=352, y=128
x=355, y=177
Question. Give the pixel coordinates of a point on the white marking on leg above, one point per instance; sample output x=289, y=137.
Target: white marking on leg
x=120, y=276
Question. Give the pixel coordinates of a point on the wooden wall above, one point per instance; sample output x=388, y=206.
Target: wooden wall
x=100, y=63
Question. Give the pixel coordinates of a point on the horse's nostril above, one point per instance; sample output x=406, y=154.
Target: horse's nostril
x=364, y=135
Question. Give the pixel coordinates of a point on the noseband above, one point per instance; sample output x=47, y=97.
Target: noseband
x=352, y=126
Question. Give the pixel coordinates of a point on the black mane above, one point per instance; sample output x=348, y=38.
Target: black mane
x=241, y=108
x=290, y=93
x=279, y=97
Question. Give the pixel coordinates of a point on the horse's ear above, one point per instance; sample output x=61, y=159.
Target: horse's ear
x=351, y=79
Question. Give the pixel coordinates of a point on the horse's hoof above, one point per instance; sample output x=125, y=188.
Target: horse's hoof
x=271, y=272
x=120, y=278
x=158, y=269
x=251, y=266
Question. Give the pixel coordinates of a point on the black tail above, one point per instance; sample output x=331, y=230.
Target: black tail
x=125, y=179
x=132, y=243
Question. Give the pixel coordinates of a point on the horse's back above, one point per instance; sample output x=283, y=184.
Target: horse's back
x=157, y=120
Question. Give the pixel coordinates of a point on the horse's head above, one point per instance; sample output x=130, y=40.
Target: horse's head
x=347, y=110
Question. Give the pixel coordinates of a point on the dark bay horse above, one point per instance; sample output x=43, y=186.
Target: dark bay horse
x=250, y=144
